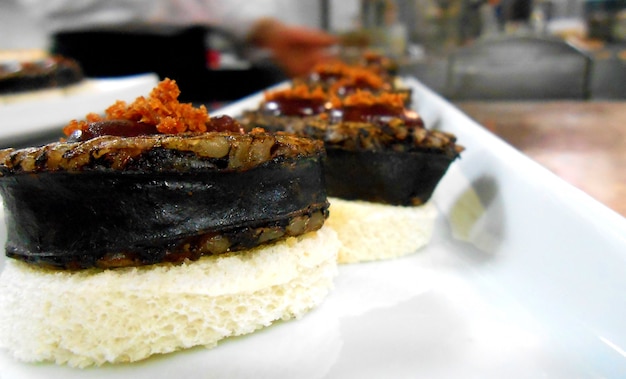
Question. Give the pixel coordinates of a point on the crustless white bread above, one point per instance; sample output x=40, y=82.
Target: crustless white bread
x=91, y=317
x=373, y=231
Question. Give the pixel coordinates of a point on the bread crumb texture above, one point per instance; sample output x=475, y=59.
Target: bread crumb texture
x=372, y=231
x=93, y=317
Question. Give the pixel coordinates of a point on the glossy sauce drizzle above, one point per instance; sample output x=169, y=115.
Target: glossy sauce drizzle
x=299, y=101
x=365, y=106
x=128, y=128
x=376, y=114
x=294, y=107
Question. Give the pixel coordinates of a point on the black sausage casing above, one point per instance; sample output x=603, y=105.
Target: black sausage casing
x=128, y=201
x=394, y=163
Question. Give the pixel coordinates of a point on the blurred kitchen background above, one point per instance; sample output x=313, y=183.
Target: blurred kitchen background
x=460, y=48
x=546, y=76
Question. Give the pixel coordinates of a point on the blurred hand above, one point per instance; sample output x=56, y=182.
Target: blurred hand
x=296, y=49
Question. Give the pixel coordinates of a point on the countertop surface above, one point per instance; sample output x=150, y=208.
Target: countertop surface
x=583, y=142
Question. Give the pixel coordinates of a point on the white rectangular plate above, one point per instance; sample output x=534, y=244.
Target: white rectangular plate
x=525, y=278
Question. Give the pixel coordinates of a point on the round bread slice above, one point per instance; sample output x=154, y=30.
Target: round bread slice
x=372, y=231
x=88, y=317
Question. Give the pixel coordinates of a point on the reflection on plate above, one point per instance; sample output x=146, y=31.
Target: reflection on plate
x=27, y=116
x=525, y=278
